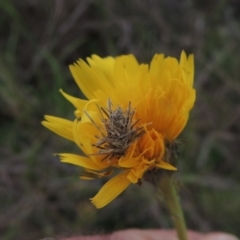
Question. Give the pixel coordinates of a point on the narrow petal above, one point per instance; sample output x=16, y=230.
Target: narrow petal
x=103, y=66
x=89, y=175
x=176, y=127
x=132, y=177
x=125, y=72
x=60, y=126
x=156, y=63
x=166, y=166
x=90, y=79
x=128, y=162
x=187, y=65
x=81, y=161
x=111, y=190
x=76, y=102
x=137, y=173
x=129, y=63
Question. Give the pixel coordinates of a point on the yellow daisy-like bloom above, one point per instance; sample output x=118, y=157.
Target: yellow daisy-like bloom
x=133, y=112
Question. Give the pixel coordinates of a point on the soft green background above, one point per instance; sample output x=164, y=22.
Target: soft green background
x=41, y=197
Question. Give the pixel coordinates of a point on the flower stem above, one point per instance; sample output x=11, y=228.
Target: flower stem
x=168, y=189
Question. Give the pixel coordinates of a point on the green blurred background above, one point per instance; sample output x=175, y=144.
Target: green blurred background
x=41, y=197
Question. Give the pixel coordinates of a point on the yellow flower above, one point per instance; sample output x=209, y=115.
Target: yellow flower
x=133, y=112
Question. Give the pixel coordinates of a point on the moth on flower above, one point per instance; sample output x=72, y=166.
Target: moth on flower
x=131, y=119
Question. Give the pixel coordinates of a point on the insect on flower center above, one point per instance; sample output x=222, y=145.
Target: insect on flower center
x=118, y=131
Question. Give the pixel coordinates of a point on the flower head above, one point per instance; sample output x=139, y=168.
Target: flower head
x=134, y=112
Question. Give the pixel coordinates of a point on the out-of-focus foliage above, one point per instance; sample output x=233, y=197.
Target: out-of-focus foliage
x=40, y=197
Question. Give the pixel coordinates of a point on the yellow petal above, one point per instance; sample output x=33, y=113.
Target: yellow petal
x=103, y=66
x=126, y=70
x=128, y=65
x=87, y=178
x=84, y=134
x=187, y=65
x=165, y=165
x=132, y=177
x=128, y=162
x=60, y=126
x=91, y=78
x=81, y=161
x=176, y=126
x=156, y=64
x=89, y=174
x=77, y=102
x=137, y=173
x=111, y=190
